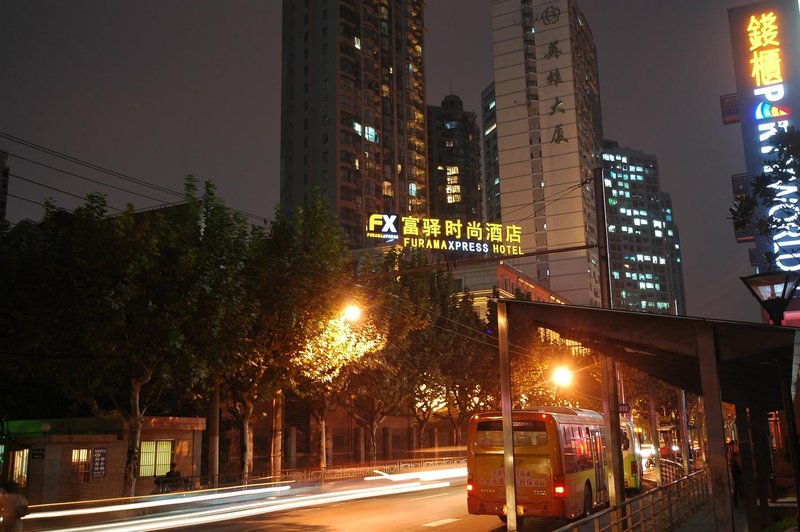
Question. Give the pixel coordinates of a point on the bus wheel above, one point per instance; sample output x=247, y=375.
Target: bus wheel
x=587, y=499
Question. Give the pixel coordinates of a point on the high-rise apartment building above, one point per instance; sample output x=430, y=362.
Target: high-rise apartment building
x=491, y=161
x=643, y=245
x=549, y=136
x=454, y=155
x=353, y=108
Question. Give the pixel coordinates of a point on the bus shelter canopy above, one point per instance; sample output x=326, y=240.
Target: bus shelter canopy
x=666, y=346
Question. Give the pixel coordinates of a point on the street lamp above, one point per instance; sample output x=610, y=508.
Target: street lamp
x=774, y=291
x=562, y=376
x=352, y=313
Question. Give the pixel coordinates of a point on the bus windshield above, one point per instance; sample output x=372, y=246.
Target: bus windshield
x=527, y=433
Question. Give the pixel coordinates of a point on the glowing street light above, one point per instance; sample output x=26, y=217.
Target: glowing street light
x=352, y=313
x=562, y=376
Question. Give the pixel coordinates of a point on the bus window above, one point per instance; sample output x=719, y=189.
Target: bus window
x=624, y=440
x=528, y=433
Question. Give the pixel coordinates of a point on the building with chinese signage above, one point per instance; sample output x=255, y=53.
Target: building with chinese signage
x=765, y=45
x=435, y=234
x=644, y=252
x=353, y=108
x=547, y=109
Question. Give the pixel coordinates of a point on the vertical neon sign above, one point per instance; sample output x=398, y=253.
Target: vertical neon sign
x=762, y=39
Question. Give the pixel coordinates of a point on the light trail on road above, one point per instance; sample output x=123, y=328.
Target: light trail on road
x=238, y=511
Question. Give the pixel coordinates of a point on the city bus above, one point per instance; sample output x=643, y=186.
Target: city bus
x=631, y=456
x=558, y=454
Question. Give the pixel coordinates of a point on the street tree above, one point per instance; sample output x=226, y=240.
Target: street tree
x=326, y=363
x=298, y=278
x=398, y=306
x=771, y=209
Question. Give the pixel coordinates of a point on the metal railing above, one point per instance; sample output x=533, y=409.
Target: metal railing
x=663, y=508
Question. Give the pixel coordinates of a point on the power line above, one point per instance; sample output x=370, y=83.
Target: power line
x=114, y=173
x=87, y=164
x=56, y=189
x=85, y=178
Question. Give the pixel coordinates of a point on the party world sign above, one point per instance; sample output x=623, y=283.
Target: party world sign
x=466, y=236
x=765, y=44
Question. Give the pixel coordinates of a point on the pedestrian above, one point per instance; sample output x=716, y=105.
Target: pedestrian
x=173, y=478
x=13, y=507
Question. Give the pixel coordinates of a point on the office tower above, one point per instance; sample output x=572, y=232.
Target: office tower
x=353, y=108
x=547, y=108
x=491, y=166
x=644, y=249
x=454, y=156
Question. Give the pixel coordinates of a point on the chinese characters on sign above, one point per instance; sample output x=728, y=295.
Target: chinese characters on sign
x=99, y=455
x=765, y=46
x=446, y=235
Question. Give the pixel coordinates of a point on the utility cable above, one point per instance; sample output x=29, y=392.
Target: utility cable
x=56, y=189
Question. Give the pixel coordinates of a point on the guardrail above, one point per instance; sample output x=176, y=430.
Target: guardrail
x=662, y=508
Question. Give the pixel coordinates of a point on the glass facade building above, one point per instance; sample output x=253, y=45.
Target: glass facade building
x=643, y=243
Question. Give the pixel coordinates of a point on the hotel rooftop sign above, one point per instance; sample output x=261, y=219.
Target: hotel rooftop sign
x=764, y=39
x=446, y=235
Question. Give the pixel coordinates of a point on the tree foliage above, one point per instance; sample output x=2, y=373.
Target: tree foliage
x=771, y=208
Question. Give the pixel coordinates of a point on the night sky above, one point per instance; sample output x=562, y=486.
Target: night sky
x=157, y=90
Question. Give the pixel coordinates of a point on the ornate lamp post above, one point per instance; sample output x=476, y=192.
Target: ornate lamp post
x=774, y=290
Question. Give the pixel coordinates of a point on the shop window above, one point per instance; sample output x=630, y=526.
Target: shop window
x=155, y=457
x=80, y=465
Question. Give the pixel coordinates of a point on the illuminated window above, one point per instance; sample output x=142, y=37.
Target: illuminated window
x=19, y=473
x=370, y=134
x=448, y=143
x=412, y=190
x=357, y=42
x=155, y=457
x=491, y=104
x=454, y=198
x=452, y=170
x=80, y=465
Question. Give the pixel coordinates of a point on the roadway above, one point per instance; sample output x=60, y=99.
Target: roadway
x=442, y=509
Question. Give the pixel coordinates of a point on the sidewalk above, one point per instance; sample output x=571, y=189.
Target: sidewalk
x=703, y=520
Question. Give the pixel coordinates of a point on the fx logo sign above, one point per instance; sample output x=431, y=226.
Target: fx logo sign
x=385, y=222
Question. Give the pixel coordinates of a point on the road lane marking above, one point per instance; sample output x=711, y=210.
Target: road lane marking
x=440, y=522
x=429, y=497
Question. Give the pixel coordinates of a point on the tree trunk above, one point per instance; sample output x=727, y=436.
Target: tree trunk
x=323, y=439
x=371, y=443
x=246, y=461
x=421, y=425
x=277, y=434
x=132, y=458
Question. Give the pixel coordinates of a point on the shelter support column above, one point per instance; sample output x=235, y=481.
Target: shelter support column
x=746, y=459
x=651, y=392
x=505, y=402
x=613, y=448
x=785, y=373
x=762, y=448
x=686, y=441
x=712, y=399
